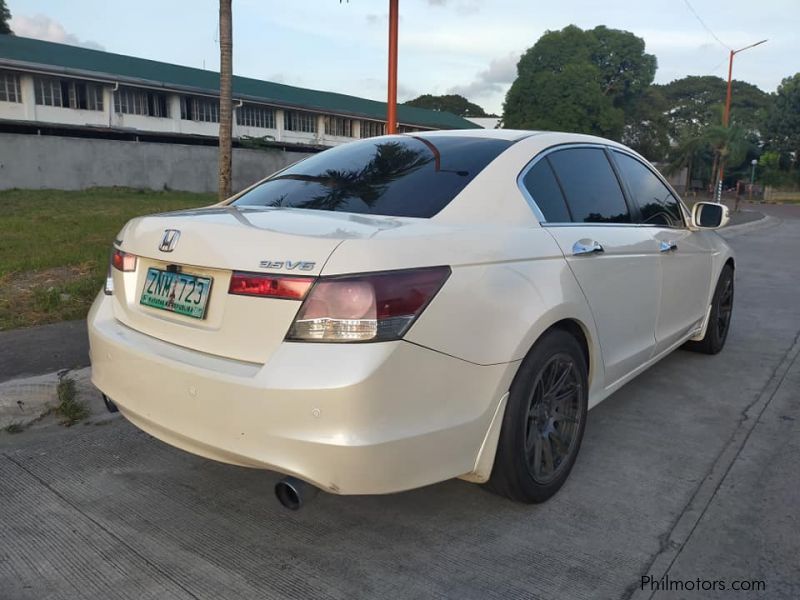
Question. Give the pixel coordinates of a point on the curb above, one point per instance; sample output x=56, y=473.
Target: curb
x=23, y=401
x=764, y=222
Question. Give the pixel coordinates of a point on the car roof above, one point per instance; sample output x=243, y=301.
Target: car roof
x=548, y=138
x=512, y=135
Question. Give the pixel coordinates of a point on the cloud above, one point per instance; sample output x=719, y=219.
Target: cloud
x=501, y=72
x=42, y=27
x=374, y=87
x=463, y=7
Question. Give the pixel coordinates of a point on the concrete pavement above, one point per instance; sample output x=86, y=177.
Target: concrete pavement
x=690, y=471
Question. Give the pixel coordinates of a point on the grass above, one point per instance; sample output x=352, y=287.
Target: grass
x=54, y=246
x=70, y=409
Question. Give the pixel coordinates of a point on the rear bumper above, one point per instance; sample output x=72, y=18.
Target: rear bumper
x=351, y=419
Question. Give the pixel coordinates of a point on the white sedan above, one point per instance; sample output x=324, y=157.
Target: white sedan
x=406, y=309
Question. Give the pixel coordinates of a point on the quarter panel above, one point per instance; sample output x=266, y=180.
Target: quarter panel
x=507, y=286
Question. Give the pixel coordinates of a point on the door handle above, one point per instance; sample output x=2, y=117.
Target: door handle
x=586, y=247
x=667, y=246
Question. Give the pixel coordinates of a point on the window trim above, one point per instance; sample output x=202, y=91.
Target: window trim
x=633, y=208
x=568, y=146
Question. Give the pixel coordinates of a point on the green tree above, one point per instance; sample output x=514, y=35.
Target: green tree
x=695, y=103
x=454, y=103
x=702, y=152
x=580, y=81
x=771, y=172
x=782, y=125
x=646, y=125
x=5, y=17
x=695, y=154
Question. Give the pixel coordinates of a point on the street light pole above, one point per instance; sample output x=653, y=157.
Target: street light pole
x=726, y=115
x=391, y=104
x=753, y=164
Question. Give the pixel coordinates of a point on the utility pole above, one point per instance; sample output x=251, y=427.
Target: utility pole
x=391, y=104
x=726, y=115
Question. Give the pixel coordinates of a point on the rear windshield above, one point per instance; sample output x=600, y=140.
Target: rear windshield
x=398, y=176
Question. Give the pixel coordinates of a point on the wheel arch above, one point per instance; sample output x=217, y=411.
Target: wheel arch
x=581, y=327
x=586, y=337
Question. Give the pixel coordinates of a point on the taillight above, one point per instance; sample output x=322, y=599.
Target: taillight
x=122, y=261
x=360, y=308
x=269, y=286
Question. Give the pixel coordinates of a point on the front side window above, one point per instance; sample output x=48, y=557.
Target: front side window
x=399, y=176
x=590, y=186
x=9, y=87
x=656, y=203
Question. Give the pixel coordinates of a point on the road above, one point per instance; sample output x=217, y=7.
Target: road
x=692, y=471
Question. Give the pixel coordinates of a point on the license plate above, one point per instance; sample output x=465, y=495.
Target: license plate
x=180, y=293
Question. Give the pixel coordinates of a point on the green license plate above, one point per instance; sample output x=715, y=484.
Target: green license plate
x=176, y=292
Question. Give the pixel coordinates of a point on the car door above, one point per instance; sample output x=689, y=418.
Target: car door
x=686, y=261
x=616, y=263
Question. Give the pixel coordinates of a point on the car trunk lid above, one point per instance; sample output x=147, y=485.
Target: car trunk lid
x=212, y=244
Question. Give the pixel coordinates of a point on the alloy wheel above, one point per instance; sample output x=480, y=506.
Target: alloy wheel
x=553, y=423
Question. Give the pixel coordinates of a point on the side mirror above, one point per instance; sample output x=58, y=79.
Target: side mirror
x=709, y=215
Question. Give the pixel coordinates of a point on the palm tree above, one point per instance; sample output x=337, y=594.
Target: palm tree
x=728, y=146
x=687, y=153
x=731, y=146
x=225, y=97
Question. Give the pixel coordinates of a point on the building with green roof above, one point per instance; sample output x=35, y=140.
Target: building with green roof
x=92, y=93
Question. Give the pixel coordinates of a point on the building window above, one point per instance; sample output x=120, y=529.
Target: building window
x=250, y=115
x=339, y=126
x=9, y=87
x=299, y=121
x=194, y=108
x=132, y=101
x=68, y=93
x=407, y=129
x=372, y=129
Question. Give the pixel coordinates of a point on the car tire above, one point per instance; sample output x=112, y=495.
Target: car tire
x=719, y=320
x=543, y=423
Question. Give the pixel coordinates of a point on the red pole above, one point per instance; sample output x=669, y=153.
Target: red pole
x=727, y=114
x=391, y=105
x=726, y=117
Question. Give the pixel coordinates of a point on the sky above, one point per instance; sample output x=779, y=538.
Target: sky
x=469, y=47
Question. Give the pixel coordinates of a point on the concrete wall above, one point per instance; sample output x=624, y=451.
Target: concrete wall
x=39, y=162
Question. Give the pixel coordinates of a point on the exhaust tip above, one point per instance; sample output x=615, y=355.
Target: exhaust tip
x=293, y=493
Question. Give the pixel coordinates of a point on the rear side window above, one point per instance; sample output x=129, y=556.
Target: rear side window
x=656, y=203
x=591, y=188
x=542, y=186
x=399, y=176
